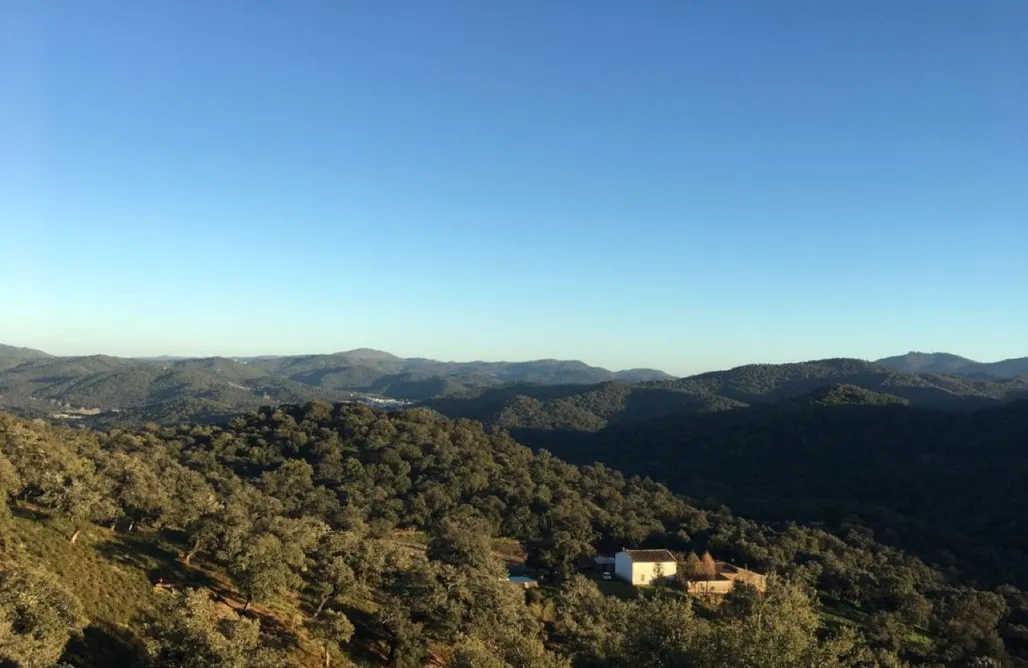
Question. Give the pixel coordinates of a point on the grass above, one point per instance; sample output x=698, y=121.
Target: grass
x=113, y=575
x=113, y=595
x=836, y=613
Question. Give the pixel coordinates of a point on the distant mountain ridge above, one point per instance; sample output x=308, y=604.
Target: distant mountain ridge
x=171, y=388
x=947, y=363
x=19, y=353
x=577, y=408
x=547, y=394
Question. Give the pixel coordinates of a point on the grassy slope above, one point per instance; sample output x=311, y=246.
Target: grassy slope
x=113, y=573
x=112, y=593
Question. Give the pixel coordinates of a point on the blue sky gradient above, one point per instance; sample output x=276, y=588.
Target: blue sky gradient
x=686, y=186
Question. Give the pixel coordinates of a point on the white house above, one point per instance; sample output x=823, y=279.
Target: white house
x=642, y=567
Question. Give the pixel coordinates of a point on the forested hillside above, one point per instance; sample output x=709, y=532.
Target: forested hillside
x=284, y=538
x=592, y=408
x=104, y=390
x=949, y=485
x=915, y=362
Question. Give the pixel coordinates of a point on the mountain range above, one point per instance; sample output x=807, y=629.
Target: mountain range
x=540, y=394
x=591, y=408
x=172, y=389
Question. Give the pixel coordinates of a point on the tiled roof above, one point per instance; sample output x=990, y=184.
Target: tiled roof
x=650, y=556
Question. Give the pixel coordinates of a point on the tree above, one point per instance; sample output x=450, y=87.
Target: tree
x=509, y=649
x=407, y=645
x=777, y=630
x=223, y=529
x=966, y=623
x=332, y=628
x=137, y=489
x=290, y=483
x=191, y=497
x=692, y=569
x=10, y=485
x=37, y=617
x=464, y=544
x=708, y=567
x=740, y=601
x=593, y=624
x=261, y=571
x=473, y=653
x=192, y=631
x=661, y=633
x=331, y=577
x=56, y=477
x=658, y=574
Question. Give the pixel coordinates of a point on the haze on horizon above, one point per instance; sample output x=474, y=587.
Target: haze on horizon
x=686, y=188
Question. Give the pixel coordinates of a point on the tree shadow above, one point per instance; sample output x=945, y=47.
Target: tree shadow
x=161, y=564
x=278, y=634
x=367, y=644
x=104, y=646
x=27, y=513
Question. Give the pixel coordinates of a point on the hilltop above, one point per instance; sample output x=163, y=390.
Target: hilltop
x=15, y=352
x=102, y=389
x=14, y=355
x=946, y=363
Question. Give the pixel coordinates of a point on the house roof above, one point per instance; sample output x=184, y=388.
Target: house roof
x=650, y=556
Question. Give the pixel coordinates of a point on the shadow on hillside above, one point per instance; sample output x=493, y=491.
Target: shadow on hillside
x=139, y=551
x=104, y=646
x=567, y=444
x=162, y=565
x=492, y=399
x=276, y=633
x=654, y=403
x=26, y=513
x=367, y=646
x=402, y=386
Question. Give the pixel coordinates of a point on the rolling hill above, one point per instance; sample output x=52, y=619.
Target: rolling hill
x=15, y=352
x=13, y=355
x=915, y=362
x=171, y=389
x=595, y=407
x=540, y=394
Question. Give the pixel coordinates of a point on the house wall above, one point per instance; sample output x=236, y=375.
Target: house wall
x=711, y=586
x=623, y=566
x=641, y=574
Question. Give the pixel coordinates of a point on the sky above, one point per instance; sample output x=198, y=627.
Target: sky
x=680, y=185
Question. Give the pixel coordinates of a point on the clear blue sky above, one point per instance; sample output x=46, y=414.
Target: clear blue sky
x=685, y=185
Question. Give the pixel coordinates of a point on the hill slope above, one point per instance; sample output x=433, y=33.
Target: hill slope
x=15, y=352
x=13, y=356
x=945, y=363
x=204, y=389
x=278, y=539
x=592, y=408
x=923, y=477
